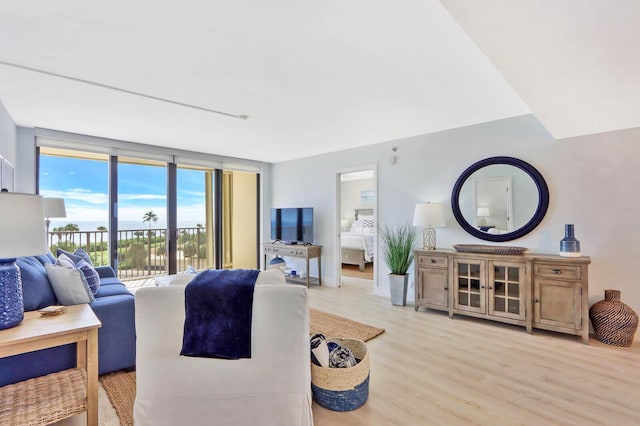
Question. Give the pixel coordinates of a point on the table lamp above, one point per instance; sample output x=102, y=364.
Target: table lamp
x=53, y=207
x=428, y=216
x=482, y=213
x=23, y=234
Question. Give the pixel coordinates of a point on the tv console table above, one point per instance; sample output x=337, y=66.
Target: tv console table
x=296, y=250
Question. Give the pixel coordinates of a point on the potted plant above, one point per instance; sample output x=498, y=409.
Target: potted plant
x=397, y=250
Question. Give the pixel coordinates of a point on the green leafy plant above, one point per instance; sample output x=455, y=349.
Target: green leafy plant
x=397, y=248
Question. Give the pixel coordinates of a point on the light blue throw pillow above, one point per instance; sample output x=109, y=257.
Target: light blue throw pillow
x=69, y=260
x=69, y=285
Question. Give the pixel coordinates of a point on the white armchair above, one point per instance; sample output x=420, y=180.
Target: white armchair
x=273, y=387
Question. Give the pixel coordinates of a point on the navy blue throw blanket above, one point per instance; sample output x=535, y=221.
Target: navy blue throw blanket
x=218, y=312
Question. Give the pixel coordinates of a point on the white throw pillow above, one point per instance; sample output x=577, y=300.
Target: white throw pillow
x=271, y=276
x=181, y=279
x=69, y=285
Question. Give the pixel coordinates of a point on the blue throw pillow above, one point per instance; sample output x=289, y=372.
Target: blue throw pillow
x=36, y=290
x=84, y=255
x=74, y=257
x=76, y=261
x=89, y=272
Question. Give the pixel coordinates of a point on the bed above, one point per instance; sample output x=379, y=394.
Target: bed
x=356, y=244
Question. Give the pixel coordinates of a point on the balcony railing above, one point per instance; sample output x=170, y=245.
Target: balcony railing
x=141, y=252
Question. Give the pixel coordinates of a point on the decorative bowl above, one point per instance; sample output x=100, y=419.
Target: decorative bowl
x=488, y=249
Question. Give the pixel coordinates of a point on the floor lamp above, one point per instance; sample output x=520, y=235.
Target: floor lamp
x=53, y=207
x=22, y=232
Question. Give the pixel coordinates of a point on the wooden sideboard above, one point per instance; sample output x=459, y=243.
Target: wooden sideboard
x=533, y=290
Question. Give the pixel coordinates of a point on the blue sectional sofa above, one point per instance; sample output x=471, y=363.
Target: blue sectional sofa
x=113, y=305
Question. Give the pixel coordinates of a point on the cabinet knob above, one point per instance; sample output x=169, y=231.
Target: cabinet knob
x=490, y=288
x=537, y=300
x=481, y=286
x=446, y=288
x=556, y=271
x=432, y=261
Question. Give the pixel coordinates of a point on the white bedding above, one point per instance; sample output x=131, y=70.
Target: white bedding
x=358, y=241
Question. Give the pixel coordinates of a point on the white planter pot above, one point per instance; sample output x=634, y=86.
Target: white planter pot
x=398, y=287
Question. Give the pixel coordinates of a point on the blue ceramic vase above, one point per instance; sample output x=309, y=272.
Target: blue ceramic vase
x=569, y=245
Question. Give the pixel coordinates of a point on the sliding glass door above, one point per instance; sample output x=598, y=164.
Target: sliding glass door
x=149, y=217
x=142, y=218
x=82, y=180
x=195, y=218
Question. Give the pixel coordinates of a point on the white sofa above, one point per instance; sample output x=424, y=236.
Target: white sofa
x=271, y=388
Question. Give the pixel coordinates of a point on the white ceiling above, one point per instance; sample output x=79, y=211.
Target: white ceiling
x=315, y=76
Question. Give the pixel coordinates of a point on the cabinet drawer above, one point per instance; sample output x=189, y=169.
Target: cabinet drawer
x=292, y=252
x=561, y=272
x=433, y=261
x=285, y=251
x=271, y=250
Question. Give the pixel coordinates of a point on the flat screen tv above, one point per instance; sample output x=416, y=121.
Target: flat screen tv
x=292, y=225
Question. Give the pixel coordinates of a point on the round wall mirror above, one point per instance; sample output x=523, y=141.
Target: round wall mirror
x=500, y=199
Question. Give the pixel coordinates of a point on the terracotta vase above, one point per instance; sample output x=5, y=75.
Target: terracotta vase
x=614, y=322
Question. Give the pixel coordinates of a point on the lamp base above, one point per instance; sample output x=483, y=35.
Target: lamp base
x=429, y=238
x=11, y=304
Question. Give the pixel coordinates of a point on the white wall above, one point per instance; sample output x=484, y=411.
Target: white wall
x=26, y=160
x=350, y=197
x=593, y=183
x=7, y=136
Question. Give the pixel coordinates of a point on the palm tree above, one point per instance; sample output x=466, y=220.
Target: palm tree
x=149, y=217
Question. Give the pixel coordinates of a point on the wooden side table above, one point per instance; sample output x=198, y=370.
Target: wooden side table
x=78, y=324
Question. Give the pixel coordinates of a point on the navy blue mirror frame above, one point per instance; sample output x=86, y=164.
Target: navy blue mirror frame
x=543, y=199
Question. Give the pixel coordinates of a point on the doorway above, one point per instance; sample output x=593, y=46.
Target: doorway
x=357, y=226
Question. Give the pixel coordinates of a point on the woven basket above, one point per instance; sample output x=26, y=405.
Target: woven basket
x=44, y=400
x=342, y=389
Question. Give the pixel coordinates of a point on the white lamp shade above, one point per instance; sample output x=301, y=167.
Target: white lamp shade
x=483, y=212
x=428, y=214
x=22, y=230
x=54, y=207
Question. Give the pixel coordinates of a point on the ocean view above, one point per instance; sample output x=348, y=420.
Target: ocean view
x=123, y=225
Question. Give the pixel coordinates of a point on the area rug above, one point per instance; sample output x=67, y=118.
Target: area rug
x=121, y=385
x=121, y=389
x=336, y=326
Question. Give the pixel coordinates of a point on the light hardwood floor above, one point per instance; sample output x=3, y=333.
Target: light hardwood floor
x=428, y=369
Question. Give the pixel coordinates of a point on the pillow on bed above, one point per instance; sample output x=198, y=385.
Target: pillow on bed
x=356, y=227
x=362, y=226
x=365, y=217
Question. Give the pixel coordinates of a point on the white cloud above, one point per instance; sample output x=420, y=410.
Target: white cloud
x=78, y=194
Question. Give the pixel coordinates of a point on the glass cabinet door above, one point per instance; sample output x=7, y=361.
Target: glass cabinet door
x=506, y=289
x=470, y=286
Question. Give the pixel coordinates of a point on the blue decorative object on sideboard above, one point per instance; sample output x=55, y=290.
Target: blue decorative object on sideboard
x=277, y=263
x=569, y=245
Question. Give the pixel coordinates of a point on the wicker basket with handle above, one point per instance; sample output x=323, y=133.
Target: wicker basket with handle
x=343, y=389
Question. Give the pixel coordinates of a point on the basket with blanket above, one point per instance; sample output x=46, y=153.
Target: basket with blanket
x=339, y=372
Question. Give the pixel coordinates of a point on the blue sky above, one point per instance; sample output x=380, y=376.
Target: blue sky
x=84, y=186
